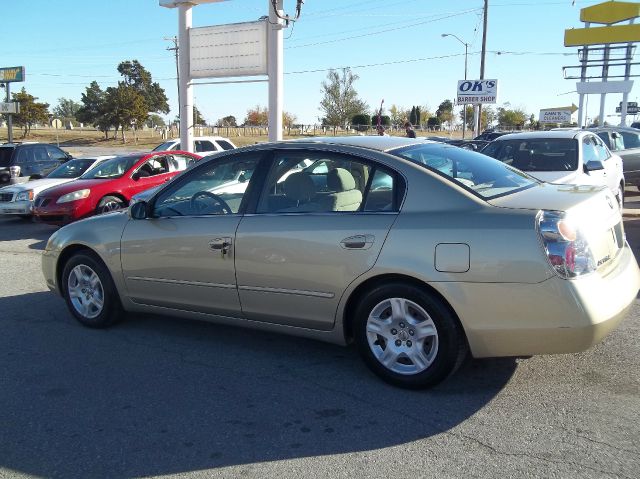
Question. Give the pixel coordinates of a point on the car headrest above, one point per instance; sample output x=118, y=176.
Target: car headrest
x=299, y=187
x=340, y=179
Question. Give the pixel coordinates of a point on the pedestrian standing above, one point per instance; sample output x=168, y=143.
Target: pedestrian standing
x=408, y=127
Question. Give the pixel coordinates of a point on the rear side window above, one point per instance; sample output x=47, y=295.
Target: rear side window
x=631, y=140
x=5, y=156
x=225, y=145
x=56, y=153
x=204, y=145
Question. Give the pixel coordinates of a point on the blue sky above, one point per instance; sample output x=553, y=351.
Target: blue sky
x=394, y=46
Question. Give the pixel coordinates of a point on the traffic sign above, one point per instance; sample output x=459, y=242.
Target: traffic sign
x=631, y=110
x=56, y=124
x=11, y=107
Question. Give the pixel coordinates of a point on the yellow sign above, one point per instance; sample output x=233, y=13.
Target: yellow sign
x=601, y=35
x=610, y=12
x=571, y=108
x=11, y=74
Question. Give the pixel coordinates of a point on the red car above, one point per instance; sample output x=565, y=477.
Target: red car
x=109, y=186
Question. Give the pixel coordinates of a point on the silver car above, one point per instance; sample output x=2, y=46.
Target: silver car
x=416, y=251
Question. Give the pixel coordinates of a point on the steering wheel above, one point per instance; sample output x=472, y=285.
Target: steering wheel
x=193, y=202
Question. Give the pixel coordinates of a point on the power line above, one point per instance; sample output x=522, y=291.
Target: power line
x=383, y=31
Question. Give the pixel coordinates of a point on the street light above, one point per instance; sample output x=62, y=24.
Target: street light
x=466, y=49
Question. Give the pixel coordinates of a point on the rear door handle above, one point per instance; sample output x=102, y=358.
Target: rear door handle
x=358, y=242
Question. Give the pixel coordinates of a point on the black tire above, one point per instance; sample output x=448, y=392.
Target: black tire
x=442, y=352
x=109, y=203
x=84, y=264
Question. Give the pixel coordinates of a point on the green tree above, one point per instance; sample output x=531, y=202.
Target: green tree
x=340, y=102
x=469, y=110
x=198, y=119
x=127, y=108
x=31, y=112
x=413, y=118
x=137, y=77
x=155, y=120
x=444, y=113
x=434, y=123
x=93, y=110
x=398, y=115
x=66, y=109
x=509, y=118
x=385, y=120
x=425, y=114
x=361, y=121
x=227, y=121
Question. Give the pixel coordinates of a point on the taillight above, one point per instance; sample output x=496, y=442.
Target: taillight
x=15, y=171
x=565, y=245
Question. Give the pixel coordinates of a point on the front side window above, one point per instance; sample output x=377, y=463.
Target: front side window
x=318, y=182
x=204, y=145
x=589, y=150
x=113, y=168
x=56, y=153
x=212, y=189
x=477, y=172
x=603, y=151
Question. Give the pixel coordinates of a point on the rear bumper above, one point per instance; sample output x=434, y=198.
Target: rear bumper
x=555, y=316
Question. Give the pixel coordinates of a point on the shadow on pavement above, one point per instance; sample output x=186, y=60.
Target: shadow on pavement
x=156, y=396
x=12, y=229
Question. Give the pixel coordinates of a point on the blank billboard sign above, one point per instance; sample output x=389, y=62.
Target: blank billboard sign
x=238, y=49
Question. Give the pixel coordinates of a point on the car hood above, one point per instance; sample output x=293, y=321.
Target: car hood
x=75, y=185
x=36, y=185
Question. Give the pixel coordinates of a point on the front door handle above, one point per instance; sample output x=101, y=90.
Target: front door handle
x=358, y=242
x=220, y=244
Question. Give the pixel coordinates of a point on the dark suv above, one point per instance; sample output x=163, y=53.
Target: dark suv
x=30, y=160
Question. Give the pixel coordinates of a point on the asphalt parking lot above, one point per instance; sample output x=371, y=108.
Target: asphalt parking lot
x=159, y=396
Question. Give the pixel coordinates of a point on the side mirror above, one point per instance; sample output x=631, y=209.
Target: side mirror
x=615, y=134
x=139, y=210
x=594, y=165
x=135, y=176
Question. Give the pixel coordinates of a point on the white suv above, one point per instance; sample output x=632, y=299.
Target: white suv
x=202, y=144
x=570, y=157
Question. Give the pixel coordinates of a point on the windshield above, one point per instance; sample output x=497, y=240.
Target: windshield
x=5, y=155
x=166, y=146
x=113, y=168
x=71, y=169
x=536, y=154
x=484, y=176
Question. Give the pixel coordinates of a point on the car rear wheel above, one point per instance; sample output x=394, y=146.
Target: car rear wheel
x=407, y=336
x=89, y=291
x=109, y=203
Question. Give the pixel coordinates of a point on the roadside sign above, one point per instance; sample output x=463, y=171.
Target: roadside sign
x=11, y=74
x=56, y=124
x=555, y=116
x=10, y=107
x=631, y=110
x=477, y=91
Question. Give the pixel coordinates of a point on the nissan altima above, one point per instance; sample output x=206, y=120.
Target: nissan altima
x=417, y=252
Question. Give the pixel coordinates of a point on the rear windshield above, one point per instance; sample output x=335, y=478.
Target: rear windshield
x=538, y=154
x=71, y=169
x=113, y=168
x=482, y=175
x=165, y=146
x=5, y=155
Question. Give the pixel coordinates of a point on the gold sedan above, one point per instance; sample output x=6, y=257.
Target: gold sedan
x=418, y=252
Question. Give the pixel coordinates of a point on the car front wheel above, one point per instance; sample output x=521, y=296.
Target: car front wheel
x=407, y=336
x=89, y=291
x=109, y=203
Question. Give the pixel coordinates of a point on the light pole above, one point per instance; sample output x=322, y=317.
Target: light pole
x=466, y=50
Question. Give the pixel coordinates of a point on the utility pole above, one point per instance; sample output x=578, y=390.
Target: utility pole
x=484, y=52
x=174, y=48
x=275, y=69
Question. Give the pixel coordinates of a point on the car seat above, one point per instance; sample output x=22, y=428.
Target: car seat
x=344, y=196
